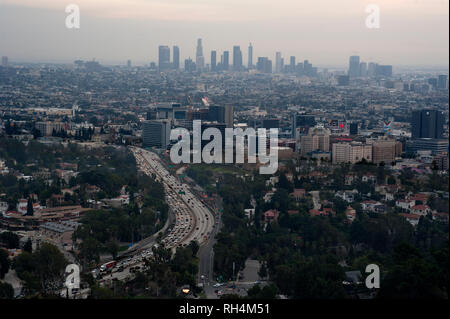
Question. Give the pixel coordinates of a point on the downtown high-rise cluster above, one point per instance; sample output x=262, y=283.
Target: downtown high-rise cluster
x=231, y=61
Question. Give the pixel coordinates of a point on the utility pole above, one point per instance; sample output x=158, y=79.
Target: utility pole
x=233, y=269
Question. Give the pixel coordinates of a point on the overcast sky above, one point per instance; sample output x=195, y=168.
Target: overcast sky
x=326, y=32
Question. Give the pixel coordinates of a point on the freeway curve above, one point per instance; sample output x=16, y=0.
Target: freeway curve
x=193, y=220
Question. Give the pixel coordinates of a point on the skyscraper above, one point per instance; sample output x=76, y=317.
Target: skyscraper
x=229, y=115
x=213, y=60
x=128, y=63
x=371, y=70
x=264, y=65
x=292, y=64
x=250, y=56
x=4, y=61
x=427, y=124
x=278, y=62
x=442, y=82
x=189, y=65
x=237, y=58
x=353, y=128
x=318, y=138
x=383, y=151
x=176, y=57
x=156, y=133
x=308, y=68
x=363, y=69
x=200, y=60
x=226, y=60
x=353, y=69
x=301, y=124
x=164, y=58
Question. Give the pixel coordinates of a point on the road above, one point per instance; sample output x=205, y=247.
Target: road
x=192, y=220
x=316, y=199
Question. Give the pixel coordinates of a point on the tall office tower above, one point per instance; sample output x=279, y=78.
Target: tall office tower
x=363, y=69
x=427, y=124
x=216, y=113
x=353, y=128
x=213, y=61
x=200, y=60
x=156, y=133
x=384, y=151
x=433, y=82
x=299, y=69
x=189, y=65
x=164, y=58
x=353, y=69
x=371, y=70
x=229, y=116
x=442, y=82
x=226, y=60
x=128, y=63
x=176, y=57
x=4, y=61
x=318, y=139
x=250, y=56
x=278, y=62
x=301, y=124
x=292, y=64
x=237, y=58
x=307, y=68
x=264, y=65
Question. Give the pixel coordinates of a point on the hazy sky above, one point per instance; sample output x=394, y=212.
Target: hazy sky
x=326, y=32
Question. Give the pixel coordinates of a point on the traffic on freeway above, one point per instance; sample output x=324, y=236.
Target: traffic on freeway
x=193, y=220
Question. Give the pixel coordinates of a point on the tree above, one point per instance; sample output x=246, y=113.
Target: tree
x=10, y=239
x=391, y=180
x=4, y=263
x=263, y=271
x=113, y=248
x=50, y=266
x=412, y=276
x=194, y=247
x=28, y=247
x=43, y=270
x=6, y=291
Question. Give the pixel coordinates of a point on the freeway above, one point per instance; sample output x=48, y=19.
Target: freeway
x=193, y=220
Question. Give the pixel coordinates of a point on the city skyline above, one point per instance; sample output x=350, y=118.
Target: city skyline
x=411, y=32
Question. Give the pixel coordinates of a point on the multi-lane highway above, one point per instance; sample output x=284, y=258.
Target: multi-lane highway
x=193, y=220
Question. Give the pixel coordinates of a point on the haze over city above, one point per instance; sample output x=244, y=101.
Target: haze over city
x=224, y=158
x=411, y=32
